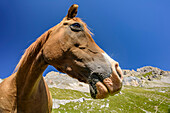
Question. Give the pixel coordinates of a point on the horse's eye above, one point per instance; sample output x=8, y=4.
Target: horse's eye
x=76, y=27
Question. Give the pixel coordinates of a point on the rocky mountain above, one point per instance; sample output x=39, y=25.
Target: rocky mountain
x=147, y=76
x=63, y=81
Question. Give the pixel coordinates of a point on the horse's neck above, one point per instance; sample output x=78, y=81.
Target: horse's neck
x=29, y=76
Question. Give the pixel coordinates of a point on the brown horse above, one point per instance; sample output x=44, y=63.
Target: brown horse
x=70, y=48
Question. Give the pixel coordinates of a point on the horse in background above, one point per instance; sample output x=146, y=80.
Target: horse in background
x=70, y=48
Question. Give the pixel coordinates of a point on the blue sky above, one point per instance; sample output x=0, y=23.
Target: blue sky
x=135, y=33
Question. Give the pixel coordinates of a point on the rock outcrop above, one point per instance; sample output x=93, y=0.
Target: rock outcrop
x=63, y=81
x=145, y=75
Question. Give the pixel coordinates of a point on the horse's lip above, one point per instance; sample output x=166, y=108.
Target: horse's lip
x=99, y=90
x=102, y=88
x=96, y=83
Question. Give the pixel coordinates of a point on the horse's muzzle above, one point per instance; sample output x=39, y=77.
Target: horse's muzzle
x=101, y=86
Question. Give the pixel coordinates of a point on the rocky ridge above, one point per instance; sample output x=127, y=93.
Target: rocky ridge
x=63, y=81
x=147, y=76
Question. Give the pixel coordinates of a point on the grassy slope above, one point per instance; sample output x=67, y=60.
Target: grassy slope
x=132, y=100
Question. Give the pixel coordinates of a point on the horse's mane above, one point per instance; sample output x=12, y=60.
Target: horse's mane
x=32, y=51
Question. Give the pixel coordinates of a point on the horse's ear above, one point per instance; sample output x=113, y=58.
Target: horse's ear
x=72, y=12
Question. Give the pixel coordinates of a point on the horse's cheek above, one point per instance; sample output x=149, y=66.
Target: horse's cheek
x=51, y=53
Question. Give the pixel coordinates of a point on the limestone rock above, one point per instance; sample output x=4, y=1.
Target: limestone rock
x=132, y=81
x=63, y=81
x=145, y=74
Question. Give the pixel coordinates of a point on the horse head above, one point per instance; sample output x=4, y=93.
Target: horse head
x=71, y=49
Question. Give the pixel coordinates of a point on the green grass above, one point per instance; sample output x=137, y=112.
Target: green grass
x=132, y=100
x=67, y=94
x=146, y=74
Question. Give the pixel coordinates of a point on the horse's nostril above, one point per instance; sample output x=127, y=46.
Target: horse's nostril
x=80, y=60
x=76, y=45
x=118, y=70
x=119, y=74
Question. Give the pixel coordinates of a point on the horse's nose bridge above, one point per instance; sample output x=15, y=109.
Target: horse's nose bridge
x=100, y=66
x=116, y=70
